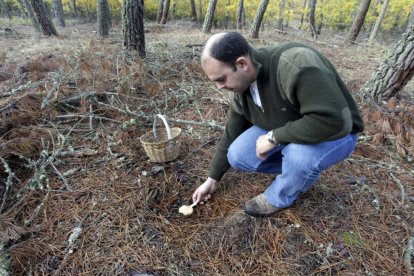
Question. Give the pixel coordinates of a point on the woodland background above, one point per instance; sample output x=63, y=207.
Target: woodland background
x=78, y=195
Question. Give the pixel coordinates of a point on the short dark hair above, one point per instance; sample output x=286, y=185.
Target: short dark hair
x=229, y=48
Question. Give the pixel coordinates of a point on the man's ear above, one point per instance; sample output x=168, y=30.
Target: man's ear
x=242, y=62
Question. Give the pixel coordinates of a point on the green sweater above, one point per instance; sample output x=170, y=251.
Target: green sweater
x=304, y=101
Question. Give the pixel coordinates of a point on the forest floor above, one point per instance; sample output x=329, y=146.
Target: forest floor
x=79, y=196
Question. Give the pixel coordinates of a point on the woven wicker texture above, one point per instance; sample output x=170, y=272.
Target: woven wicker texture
x=157, y=145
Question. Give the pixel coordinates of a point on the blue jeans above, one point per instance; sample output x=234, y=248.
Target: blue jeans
x=298, y=165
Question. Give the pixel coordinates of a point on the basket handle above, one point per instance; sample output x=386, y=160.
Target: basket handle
x=154, y=126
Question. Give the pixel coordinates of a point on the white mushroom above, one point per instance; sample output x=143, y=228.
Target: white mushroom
x=187, y=209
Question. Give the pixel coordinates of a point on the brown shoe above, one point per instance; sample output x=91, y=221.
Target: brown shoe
x=259, y=207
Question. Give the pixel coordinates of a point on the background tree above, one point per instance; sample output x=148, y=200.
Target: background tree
x=302, y=14
x=240, y=15
x=208, y=20
x=5, y=9
x=358, y=21
x=45, y=23
x=165, y=12
x=133, y=26
x=58, y=12
x=227, y=15
x=394, y=72
x=200, y=11
x=311, y=17
x=379, y=20
x=103, y=17
x=282, y=4
x=32, y=16
x=254, y=32
x=74, y=8
x=410, y=19
x=159, y=11
x=193, y=11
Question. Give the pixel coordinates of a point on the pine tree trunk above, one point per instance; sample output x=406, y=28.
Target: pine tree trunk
x=254, y=32
x=200, y=11
x=311, y=17
x=410, y=19
x=165, y=12
x=227, y=15
x=133, y=26
x=358, y=21
x=240, y=10
x=394, y=72
x=32, y=16
x=379, y=21
x=193, y=11
x=103, y=17
x=280, y=15
x=374, y=13
x=159, y=11
x=303, y=15
x=58, y=9
x=74, y=8
x=45, y=23
x=208, y=20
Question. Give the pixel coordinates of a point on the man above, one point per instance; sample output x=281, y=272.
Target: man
x=291, y=115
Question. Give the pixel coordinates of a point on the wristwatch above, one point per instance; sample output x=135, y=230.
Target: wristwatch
x=270, y=137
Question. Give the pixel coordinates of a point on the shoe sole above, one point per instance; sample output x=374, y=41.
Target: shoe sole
x=260, y=215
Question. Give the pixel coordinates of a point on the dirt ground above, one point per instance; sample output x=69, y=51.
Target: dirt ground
x=79, y=195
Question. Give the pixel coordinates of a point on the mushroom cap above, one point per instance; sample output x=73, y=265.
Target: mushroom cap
x=186, y=210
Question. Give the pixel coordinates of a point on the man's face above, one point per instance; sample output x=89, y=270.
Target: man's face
x=234, y=79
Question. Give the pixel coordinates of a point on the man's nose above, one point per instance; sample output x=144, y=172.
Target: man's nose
x=220, y=85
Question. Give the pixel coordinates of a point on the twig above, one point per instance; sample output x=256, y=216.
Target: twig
x=10, y=177
x=65, y=181
x=400, y=185
x=409, y=254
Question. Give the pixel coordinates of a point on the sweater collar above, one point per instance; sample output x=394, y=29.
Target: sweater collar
x=262, y=71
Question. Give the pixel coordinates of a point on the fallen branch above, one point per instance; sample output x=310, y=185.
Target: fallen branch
x=409, y=254
x=400, y=185
x=9, y=181
x=211, y=124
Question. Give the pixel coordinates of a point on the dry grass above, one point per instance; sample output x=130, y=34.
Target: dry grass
x=80, y=197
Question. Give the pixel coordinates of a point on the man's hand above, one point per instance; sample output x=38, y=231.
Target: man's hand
x=263, y=145
x=204, y=191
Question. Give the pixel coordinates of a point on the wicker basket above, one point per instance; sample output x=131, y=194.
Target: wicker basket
x=162, y=145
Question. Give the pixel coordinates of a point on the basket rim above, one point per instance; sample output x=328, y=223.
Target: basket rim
x=175, y=130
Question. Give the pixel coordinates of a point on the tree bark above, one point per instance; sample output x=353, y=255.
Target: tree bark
x=193, y=11
x=165, y=12
x=240, y=15
x=280, y=15
x=133, y=26
x=254, y=32
x=379, y=20
x=159, y=11
x=394, y=72
x=45, y=23
x=358, y=21
x=208, y=20
x=410, y=19
x=311, y=17
x=58, y=11
x=103, y=17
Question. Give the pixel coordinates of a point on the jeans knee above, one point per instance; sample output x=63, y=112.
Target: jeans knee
x=233, y=157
